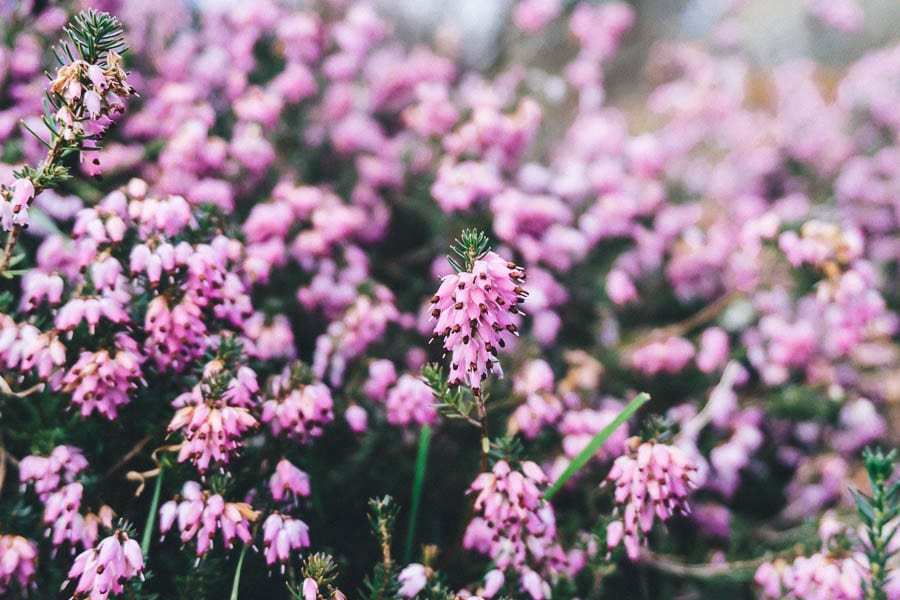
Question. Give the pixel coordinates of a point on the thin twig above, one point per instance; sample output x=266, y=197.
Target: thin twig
x=127, y=457
x=2, y=462
x=705, y=314
x=7, y=390
x=53, y=155
x=672, y=566
x=482, y=419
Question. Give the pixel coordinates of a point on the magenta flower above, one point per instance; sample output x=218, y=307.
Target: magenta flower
x=18, y=560
x=14, y=205
x=281, y=536
x=103, y=381
x=48, y=472
x=821, y=575
x=201, y=513
x=381, y=375
x=212, y=430
x=410, y=401
x=651, y=483
x=102, y=571
x=412, y=579
x=475, y=311
x=300, y=411
x=514, y=524
x=288, y=481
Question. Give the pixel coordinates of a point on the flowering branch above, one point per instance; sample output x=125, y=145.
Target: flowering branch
x=88, y=92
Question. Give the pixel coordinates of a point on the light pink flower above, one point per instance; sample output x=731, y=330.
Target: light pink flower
x=475, y=311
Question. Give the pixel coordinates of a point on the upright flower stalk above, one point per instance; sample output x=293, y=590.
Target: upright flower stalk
x=476, y=309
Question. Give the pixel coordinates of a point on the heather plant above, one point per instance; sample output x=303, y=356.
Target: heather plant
x=291, y=307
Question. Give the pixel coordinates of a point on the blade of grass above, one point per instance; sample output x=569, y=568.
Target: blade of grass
x=596, y=442
x=151, y=518
x=237, y=574
x=418, y=480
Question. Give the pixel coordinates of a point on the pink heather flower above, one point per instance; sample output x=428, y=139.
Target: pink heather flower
x=535, y=376
x=459, y=185
x=412, y=578
x=513, y=521
x=14, y=211
x=310, y=589
x=475, y=311
x=670, y=355
x=843, y=15
x=713, y=350
x=580, y=426
x=103, y=381
x=300, y=411
x=410, y=401
x=493, y=581
x=102, y=571
x=200, y=513
x=18, y=561
x=281, y=536
x=821, y=575
x=48, y=472
x=38, y=286
x=860, y=424
x=619, y=287
x=357, y=418
x=288, y=481
x=211, y=428
x=61, y=517
x=90, y=310
x=538, y=410
x=381, y=375
x=532, y=15
x=535, y=381
x=653, y=482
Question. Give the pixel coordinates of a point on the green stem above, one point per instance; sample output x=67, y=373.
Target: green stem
x=596, y=442
x=237, y=574
x=418, y=480
x=151, y=518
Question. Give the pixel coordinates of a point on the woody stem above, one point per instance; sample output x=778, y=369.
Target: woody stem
x=482, y=419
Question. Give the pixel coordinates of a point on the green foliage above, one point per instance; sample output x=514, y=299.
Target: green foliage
x=453, y=403
x=877, y=511
x=382, y=583
x=321, y=568
x=470, y=246
x=508, y=448
x=94, y=34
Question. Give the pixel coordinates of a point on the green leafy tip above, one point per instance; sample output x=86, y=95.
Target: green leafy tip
x=470, y=246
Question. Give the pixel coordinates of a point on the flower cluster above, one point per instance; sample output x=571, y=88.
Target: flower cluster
x=652, y=482
x=201, y=513
x=18, y=558
x=288, y=480
x=47, y=473
x=298, y=407
x=475, y=311
x=213, y=417
x=283, y=535
x=514, y=525
x=102, y=571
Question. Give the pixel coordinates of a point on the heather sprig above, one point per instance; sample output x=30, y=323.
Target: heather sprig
x=879, y=512
x=87, y=93
x=382, y=583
